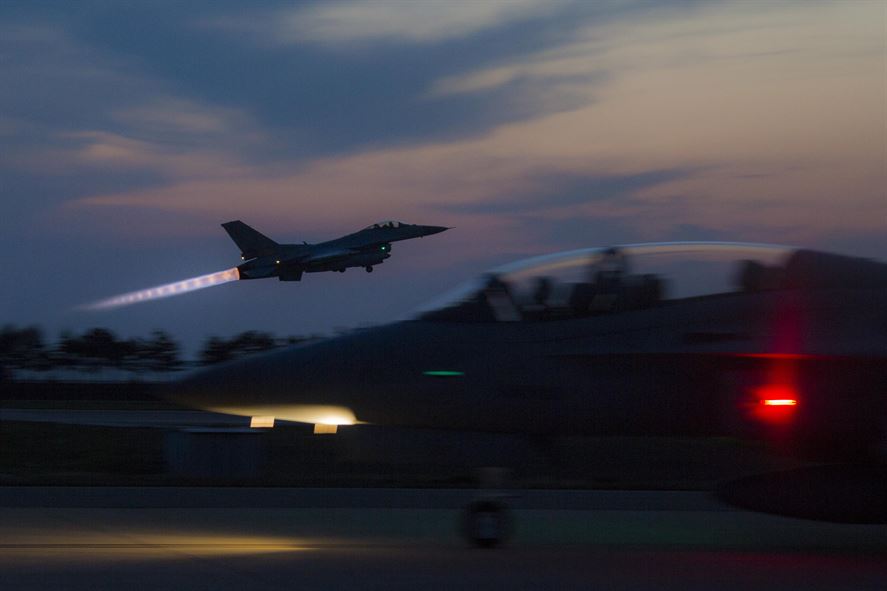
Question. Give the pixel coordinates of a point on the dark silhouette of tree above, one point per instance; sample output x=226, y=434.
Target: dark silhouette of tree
x=96, y=348
x=254, y=342
x=22, y=348
x=160, y=353
x=63, y=354
x=99, y=348
x=216, y=350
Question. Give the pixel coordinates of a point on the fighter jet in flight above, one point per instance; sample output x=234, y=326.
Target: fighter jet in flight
x=371, y=246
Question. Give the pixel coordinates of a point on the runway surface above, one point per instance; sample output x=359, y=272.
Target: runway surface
x=206, y=538
x=123, y=418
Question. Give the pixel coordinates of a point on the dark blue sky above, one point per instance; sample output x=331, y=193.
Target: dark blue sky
x=130, y=131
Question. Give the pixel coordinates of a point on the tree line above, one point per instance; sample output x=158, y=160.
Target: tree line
x=96, y=349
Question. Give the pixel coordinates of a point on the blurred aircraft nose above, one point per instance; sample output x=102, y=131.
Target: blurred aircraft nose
x=269, y=376
x=330, y=372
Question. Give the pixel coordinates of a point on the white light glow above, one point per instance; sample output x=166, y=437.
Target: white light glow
x=314, y=414
x=168, y=290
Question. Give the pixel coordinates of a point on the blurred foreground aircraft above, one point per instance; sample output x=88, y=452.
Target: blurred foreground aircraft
x=371, y=246
x=670, y=339
x=679, y=339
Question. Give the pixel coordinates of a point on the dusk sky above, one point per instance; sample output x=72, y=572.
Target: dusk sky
x=131, y=130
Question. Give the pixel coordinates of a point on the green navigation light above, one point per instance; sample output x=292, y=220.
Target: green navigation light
x=443, y=373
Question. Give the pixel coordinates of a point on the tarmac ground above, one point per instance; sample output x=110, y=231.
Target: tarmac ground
x=234, y=538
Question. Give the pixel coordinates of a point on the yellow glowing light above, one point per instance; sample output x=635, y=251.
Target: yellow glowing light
x=168, y=290
x=312, y=414
x=337, y=420
x=261, y=422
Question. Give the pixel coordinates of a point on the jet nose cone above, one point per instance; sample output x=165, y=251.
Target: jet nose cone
x=429, y=230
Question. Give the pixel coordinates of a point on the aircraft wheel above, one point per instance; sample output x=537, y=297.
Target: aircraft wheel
x=341, y=270
x=369, y=269
x=486, y=523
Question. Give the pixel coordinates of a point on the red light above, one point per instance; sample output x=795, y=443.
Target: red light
x=779, y=402
x=774, y=404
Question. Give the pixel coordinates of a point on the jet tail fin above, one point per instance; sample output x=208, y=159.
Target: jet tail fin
x=252, y=243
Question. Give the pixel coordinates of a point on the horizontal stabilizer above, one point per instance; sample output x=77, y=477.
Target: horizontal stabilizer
x=252, y=243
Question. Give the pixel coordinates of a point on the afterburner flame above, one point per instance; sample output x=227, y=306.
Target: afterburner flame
x=168, y=290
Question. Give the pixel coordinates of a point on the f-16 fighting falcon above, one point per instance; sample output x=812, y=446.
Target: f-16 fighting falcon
x=266, y=258
x=371, y=246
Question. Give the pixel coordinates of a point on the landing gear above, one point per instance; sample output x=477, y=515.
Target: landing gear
x=486, y=522
x=369, y=268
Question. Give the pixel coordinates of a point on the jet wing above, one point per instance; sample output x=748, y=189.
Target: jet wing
x=328, y=256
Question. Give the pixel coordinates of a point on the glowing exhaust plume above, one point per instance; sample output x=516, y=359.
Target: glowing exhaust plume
x=168, y=290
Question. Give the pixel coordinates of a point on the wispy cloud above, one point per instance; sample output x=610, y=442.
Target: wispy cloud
x=357, y=21
x=554, y=191
x=167, y=114
x=71, y=111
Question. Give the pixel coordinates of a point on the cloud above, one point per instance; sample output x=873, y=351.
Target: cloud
x=307, y=99
x=52, y=81
x=552, y=191
x=77, y=121
x=111, y=151
x=689, y=38
x=429, y=21
x=754, y=126
x=176, y=115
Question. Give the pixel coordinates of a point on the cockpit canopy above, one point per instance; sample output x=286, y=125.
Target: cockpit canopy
x=596, y=281
x=386, y=224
